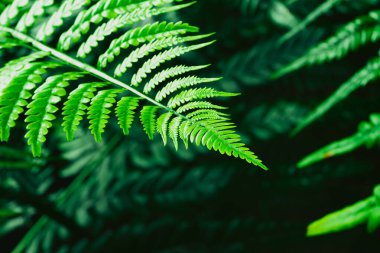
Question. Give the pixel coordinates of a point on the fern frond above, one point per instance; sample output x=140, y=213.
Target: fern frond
x=36, y=10
x=366, y=210
x=151, y=47
x=139, y=35
x=361, y=78
x=12, y=11
x=355, y=34
x=98, y=112
x=125, y=112
x=368, y=134
x=174, y=130
x=14, y=97
x=169, y=73
x=96, y=13
x=106, y=29
x=197, y=94
x=181, y=83
x=148, y=120
x=162, y=126
x=161, y=58
x=187, y=116
x=65, y=11
x=76, y=105
x=41, y=110
x=198, y=105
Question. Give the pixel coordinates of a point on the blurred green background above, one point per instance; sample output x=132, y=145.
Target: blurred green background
x=129, y=194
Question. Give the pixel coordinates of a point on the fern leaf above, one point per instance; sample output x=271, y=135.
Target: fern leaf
x=125, y=112
x=359, y=32
x=161, y=58
x=12, y=11
x=66, y=10
x=15, y=95
x=94, y=15
x=344, y=219
x=42, y=108
x=174, y=130
x=369, y=133
x=158, y=43
x=142, y=34
x=169, y=73
x=76, y=105
x=369, y=73
x=12, y=68
x=162, y=126
x=198, y=105
x=148, y=120
x=181, y=83
x=151, y=47
x=127, y=19
x=195, y=94
x=98, y=112
x=36, y=10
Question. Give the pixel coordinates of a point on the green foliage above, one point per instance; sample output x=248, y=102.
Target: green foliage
x=153, y=43
x=366, y=210
x=360, y=32
x=368, y=134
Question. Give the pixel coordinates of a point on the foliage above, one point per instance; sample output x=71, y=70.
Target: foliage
x=157, y=43
x=132, y=194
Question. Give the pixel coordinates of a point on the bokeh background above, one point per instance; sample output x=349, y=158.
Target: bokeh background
x=134, y=195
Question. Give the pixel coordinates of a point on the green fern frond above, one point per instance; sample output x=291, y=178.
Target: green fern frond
x=187, y=114
x=180, y=84
x=36, y=10
x=41, y=110
x=169, y=73
x=143, y=34
x=125, y=112
x=148, y=120
x=12, y=11
x=361, y=78
x=76, y=105
x=161, y=58
x=14, y=97
x=174, y=130
x=162, y=126
x=66, y=10
x=366, y=210
x=197, y=94
x=355, y=34
x=98, y=112
x=368, y=134
x=151, y=47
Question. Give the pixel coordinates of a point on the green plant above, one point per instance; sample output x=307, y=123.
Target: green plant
x=167, y=102
x=366, y=210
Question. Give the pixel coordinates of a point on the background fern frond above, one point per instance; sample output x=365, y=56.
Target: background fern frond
x=368, y=134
